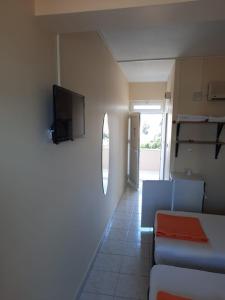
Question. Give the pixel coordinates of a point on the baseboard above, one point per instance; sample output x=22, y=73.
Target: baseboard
x=132, y=184
x=84, y=280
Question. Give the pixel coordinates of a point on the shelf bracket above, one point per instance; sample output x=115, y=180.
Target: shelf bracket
x=218, y=133
x=177, y=149
x=218, y=148
x=218, y=144
x=177, y=139
x=219, y=130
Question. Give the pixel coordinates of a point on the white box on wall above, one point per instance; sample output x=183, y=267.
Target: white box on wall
x=216, y=90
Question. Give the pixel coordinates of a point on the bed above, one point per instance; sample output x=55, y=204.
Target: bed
x=206, y=256
x=193, y=284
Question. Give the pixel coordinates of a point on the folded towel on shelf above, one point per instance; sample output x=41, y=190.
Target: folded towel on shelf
x=166, y=296
x=180, y=227
x=192, y=118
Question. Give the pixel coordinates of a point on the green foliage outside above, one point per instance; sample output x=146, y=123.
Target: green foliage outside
x=154, y=144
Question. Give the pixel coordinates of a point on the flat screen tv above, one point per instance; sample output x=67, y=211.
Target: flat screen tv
x=69, y=119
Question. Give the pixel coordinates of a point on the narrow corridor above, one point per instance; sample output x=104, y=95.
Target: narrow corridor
x=122, y=265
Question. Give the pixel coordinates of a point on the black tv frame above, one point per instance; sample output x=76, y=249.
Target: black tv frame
x=55, y=138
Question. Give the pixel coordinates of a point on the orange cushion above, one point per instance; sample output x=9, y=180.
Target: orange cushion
x=180, y=227
x=166, y=296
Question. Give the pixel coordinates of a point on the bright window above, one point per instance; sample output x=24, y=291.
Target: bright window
x=146, y=106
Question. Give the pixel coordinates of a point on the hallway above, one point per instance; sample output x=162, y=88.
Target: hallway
x=121, y=267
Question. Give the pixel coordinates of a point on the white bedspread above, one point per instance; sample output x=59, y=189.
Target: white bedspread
x=194, y=284
x=206, y=256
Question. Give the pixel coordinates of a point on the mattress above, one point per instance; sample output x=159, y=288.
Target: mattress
x=206, y=256
x=194, y=284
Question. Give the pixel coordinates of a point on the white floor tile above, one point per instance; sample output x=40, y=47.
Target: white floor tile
x=134, y=236
x=129, y=205
x=132, y=287
x=121, y=268
x=136, y=217
x=117, y=234
x=125, y=209
x=123, y=215
x=139, y=236
x=135, y=266
x=89, y=296
x=108, y=262
x=120, y=224
x=113, y=247
x=121, y=219
x=122, y=298
x=100, y=282
x=135, y=227
x=119, y=298
x=136, y=249
x=125, y=248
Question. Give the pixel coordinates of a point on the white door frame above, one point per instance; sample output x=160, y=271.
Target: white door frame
x=134, y=149
x=163, y=146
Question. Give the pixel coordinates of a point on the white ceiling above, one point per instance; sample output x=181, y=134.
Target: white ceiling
x=136, y=18
x=147, y=71
x=157, y=42
x=49, y=7
x=200, y=39
x=193, y=28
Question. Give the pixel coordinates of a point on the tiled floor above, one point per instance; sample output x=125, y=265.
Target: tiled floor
x=122, y=265
x=148, y=175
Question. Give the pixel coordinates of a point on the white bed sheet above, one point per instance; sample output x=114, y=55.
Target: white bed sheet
x=195, y=284
x=206, y=256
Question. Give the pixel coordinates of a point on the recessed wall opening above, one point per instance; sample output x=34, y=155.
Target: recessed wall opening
x=151, y=84
x=145, y=136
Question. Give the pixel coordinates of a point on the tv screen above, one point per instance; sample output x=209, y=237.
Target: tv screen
x=69, y=109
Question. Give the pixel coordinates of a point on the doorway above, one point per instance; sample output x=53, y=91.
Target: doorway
x=146, y=141
x=150, y=146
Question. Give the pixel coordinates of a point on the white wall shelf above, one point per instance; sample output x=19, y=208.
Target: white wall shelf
x=218, y=144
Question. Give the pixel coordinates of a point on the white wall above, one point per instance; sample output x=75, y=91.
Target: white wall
x=193, y=75
x=169, y=111
x=30, y=257
x=149, y=159
x=147, y=90
x=52, y=208
x=88, y=68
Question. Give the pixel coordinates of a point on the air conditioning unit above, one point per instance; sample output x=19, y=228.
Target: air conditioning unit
x=216, y=90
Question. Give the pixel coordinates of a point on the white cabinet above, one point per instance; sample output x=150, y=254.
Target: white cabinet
x=183, y=192
x=188, y=192
x=156, y=195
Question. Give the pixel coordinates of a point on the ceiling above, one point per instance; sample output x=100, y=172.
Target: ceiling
x=49, y=7
x=199, y=39
x=151, y=44
x=135, y=18
x=147, y=71
x=157, y=32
